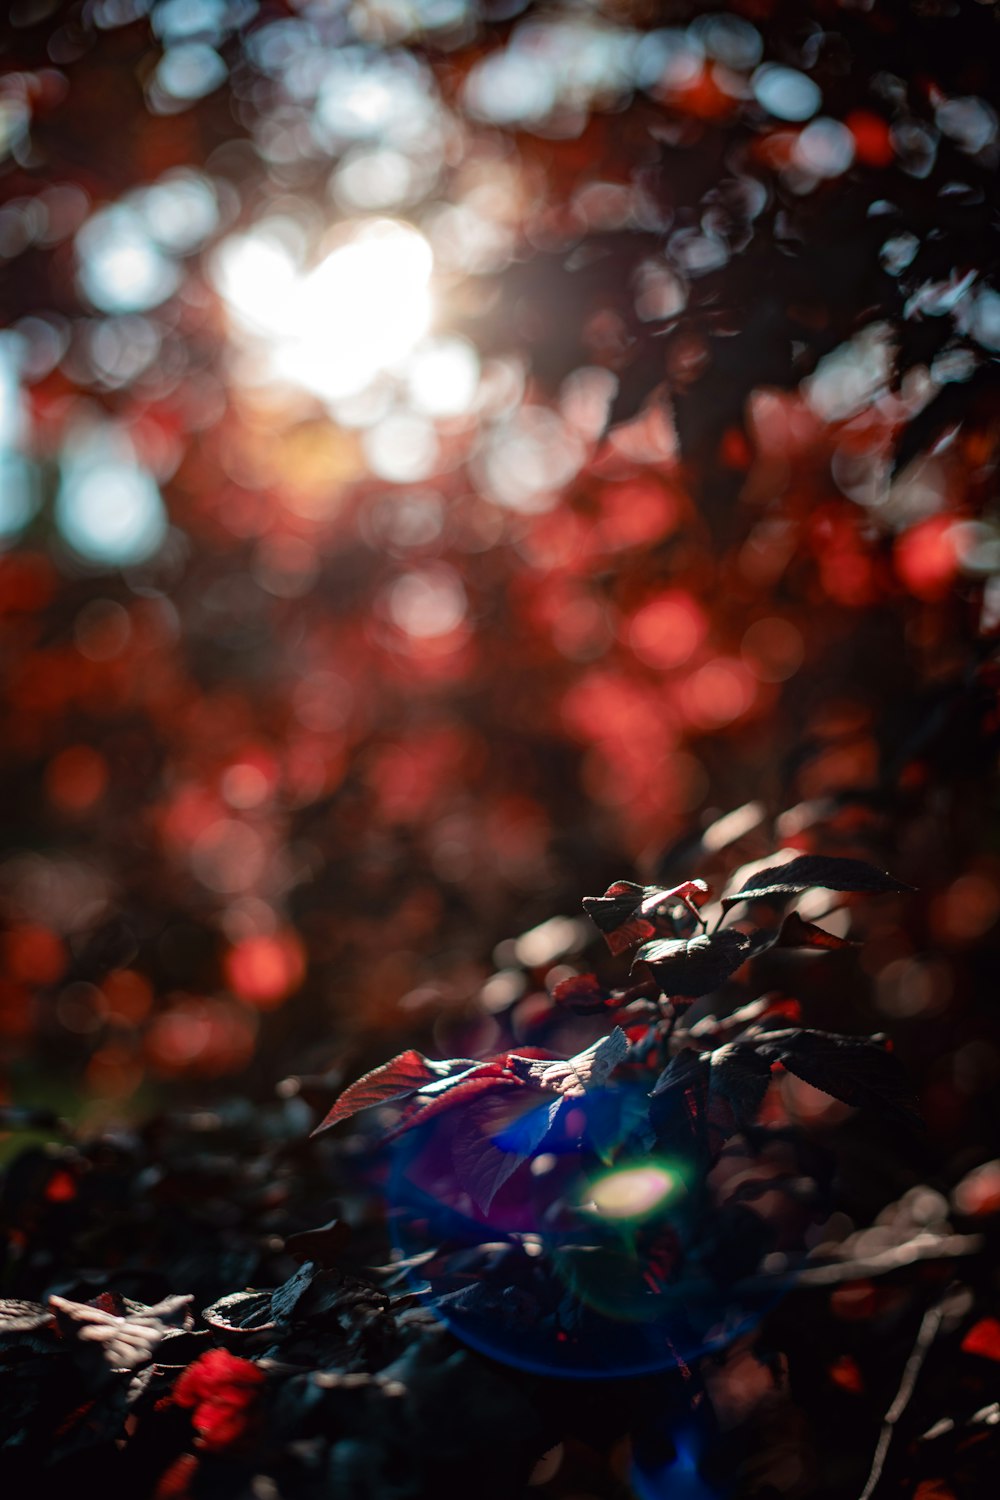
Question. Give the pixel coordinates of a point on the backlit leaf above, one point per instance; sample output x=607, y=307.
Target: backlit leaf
x=688, y=967
x=498, y=1134
x=396, y=1079
x=809, y=870
x=860, y=1071
x=628, y=913
x=588, y=1069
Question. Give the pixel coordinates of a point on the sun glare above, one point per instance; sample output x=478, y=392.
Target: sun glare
x=332, y=328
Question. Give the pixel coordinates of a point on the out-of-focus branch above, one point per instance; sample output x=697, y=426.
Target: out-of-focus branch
x=930, y=1326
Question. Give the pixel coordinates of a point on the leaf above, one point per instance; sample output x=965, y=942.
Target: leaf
x=740, y=1076
x=462, y=1089
x=22, y=1317
x=614, y=914
x=678, y=1102
x=286, y=1298
x=498, y=1135
x=808, y=870
x=584, y=994
x=241, y=1312
x=699, y=1092
x=628, y=913
x=588, y=1069
x=129, y=1340
x=860, y=1071
x=794, y=932
x=396, y=1079
x=689, y=967
x=691, y=893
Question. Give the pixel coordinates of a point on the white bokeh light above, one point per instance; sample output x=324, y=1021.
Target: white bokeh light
x=333, y=328
x=108, y=508
x=443, y=377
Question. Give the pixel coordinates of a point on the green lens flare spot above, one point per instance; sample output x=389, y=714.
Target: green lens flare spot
x=634, y=1193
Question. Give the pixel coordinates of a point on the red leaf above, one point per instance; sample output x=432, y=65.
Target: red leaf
x=796, y=933
x=499, y=1133
x=61, y=1187
x=634, y=930
x=582, y=993
x=573, y=1076
x=628, y=913
x=983, y=1338
x=688, y=893
x=479, y=1079
x=396, y=1079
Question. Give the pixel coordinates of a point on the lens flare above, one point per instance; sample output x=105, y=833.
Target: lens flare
x=633, y=1193
x=565, y=1266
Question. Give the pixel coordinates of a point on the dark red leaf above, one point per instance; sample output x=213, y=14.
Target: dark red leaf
x=860, y=1071
x=584, y=994
x=740, y=1076
x=809, y=870
x=129, y=1339
x=689, y=893
x=176, y=1481
x=498, y=1134
x=612, y=911
x=573, y=1076
x=765, y=1008
x=628, y=913
x=793, y=932
x=396, y=1079
x=797, y=933
x=688, y=967
x=678, y=1102
x=480, y=1079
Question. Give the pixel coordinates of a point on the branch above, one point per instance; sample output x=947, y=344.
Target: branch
x=835, y=1273
x=929, y=1328
x=923, y=1247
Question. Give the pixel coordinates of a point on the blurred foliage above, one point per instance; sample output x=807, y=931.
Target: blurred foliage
x=449, y=457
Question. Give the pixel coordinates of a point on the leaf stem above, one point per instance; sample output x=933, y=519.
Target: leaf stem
x=690, y=907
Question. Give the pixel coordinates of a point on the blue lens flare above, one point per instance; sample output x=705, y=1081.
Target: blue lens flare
x=580, y=1255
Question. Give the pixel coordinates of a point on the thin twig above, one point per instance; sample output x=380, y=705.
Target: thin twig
x=923, y=1247
x=929, y=1328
